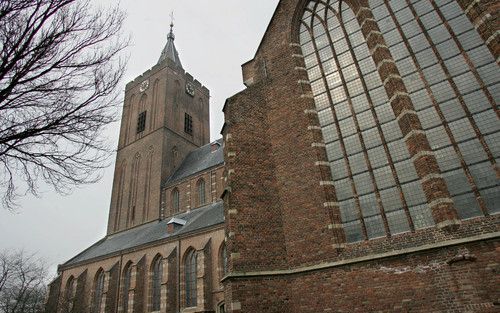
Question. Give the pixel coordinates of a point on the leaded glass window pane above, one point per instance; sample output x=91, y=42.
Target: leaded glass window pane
x=156, y=284
x=191, y=279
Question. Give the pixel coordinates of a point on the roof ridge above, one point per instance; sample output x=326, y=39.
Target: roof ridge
x=192, y=164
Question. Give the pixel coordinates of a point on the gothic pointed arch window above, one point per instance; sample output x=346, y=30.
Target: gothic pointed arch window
x=127, y=281
x=376, y=183
x=120, y=191
x=223, y=261
x=98, y=291
x=452, y=78
x=69, y=294
x=175, y=200
x=134, y=187
x=190, y=278
x=156, y=283
x=142, y=116
x=201, y=191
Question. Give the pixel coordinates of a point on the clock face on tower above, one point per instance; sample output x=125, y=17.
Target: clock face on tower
x=144, y=85
x=190, y=89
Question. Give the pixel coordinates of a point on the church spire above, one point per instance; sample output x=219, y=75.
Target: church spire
x=170, y=52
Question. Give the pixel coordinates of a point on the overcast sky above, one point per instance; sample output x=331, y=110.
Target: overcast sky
x=213, y=39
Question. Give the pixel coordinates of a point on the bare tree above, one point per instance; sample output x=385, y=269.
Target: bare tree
x=22, y=283
x=60, y=66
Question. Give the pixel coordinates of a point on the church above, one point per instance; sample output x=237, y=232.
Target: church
x=356, y=173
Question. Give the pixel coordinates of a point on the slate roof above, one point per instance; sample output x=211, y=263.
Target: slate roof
x=198, y=219
x=170, y=52
x=197, y=161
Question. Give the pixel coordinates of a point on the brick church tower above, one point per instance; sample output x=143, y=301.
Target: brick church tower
x=165, y=116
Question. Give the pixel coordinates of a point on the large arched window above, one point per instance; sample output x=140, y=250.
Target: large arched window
x=156, y=280
x=201, y=191
x=376, y=183
x=454, y=82
x=190, y=278
x=127, y=279
x=69, y=294
x=175, y=200
x=98, y=291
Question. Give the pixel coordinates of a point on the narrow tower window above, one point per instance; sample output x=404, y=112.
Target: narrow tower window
x=175, y=200
x=188, y=124
x=141, y=122
x=201, y=192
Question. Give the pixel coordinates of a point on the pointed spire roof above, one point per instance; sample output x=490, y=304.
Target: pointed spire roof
x=170, y=52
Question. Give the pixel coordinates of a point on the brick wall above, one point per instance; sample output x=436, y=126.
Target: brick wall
x=188, y=191
x=287, y=247
x=145, y=159
x=206, y=244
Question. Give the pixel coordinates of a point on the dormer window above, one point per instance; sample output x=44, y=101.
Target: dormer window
x=141, y=122
x=214, y=146
x=175, y=224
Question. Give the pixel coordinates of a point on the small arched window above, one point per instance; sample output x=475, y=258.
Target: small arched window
x=69, y=295
x=201, y=192
x=156, y=284
x=175, y=200
x=127, y=279
x=223, y=259
x=221, y=308
x=190, y=279
x=98, y=291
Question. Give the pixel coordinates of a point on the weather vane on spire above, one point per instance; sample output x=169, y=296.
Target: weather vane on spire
x=171, y=20
x=171, y=35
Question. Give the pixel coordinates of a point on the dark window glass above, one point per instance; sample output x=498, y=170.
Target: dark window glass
x=467, y=206
x=460, y=24
x=374, y=226
x=141, y=122
x=457, y=182
x=190, y=279
x=126, y=288
x=175, y=200
x=69, y=295
x=369, y=205
x=448, y=49
x=353, y=231
x=224, y=260
x=156, y=284
x=482, y=174
x=398, y=223
x=452, y=110
x=98, y=292
x=451, y=10
x=201, y=192
x=384, y=177
x=343, y=189
x=421, y=216
x=481, y=56
x=188, y=124
x=338, y=169
x=491, y=197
